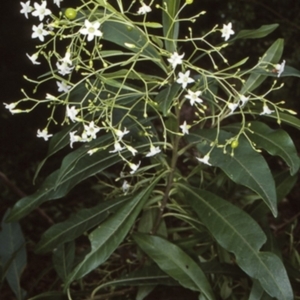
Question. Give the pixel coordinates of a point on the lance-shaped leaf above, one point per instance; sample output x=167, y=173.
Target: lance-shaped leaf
x=107, y=237
x=287, y=119
x=276, y=142
x=77, y=224
x=245, y=167
x=261, y=32
x=237, y=232
x=175, y=262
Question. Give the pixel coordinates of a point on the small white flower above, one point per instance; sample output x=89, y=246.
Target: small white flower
x=39, y=32
x=125, y=187
x=244, y=100
x=185, y=128
x=232, y=107
x=153, y=151
x=91, y=30
x=120, y=133
x=118, y=148
x=57, y=2
x=63, y=68
x=67, y=58
x=50, y=97
x=194, y=97
x=266, y=110
x=91, y=130
x=175, y=59
x=71, y=113
x=132, y=150
x=144, y=9
x=227, y=31
x=184, y=79
x=62, y=86
x=43, y=134
x=280, y=68
x=74, y=138
x=26, y=8
x=33, y=58
x=40, y=10
x=134, y=167
x=92, y=151
x=204, y=160
x=11, y=107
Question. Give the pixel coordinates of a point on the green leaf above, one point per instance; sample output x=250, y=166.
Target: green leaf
x=107, y=237
x=77, y=224
x=272, y=55
x=13, y=255
x=287, y=119
x=261, y=32
x=245, y=167
x=175, y=262
x=63, y=258
x=276, y=142
x=50, y=296
x=237, y=232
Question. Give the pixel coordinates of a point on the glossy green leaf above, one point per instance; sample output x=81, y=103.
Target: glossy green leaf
x=77, y=224
x=245, y=167
x=63, y=259
x=261, y=32
x=287, y=119
x=175, y=262
x=276, y=142
x=107, y=237
x=237, y=232
x=13, y=255
x=144, y=291
x=272, y=55
x=284, y=184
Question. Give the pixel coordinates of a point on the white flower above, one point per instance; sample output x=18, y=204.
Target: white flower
x=62, y=86
x=153, y=151
x=144, y=9
x=40, y=10
x=39, y=32
x=125, y=187
x=185, y=128
x=134, y=167
x=57, y=2
x=63, y=68
x=232, y=107
x=91, y=30
x=33, y=58
x=118, y=148
x=67, y=58
x=266, y=110
x=204, y=160
x=26, y=8
x=71, y=113
x=50, y=97
x=74, y=138
x=120, y=133
x=132, y=150
x=227, y=31
x=184, y=79
x=92, y=151
x=244, y=100
x=43, y=134
x=91, y=130
x=194, y=97
x=11, y=107
x=175, y=59
x=280, y=68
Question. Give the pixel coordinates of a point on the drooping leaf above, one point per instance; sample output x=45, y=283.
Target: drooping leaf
x=237, y=232
x=175, y=262
x=107, y=237
x=261, y=32
x=245, y=167
x=77, y=224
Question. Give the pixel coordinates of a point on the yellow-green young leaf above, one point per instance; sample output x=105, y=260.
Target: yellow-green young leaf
x=175, y=262
x=238, y=233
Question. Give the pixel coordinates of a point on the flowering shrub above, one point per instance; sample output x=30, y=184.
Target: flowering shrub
x=182, y=133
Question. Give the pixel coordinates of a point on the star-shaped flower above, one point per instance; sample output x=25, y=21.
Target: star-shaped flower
x=91, y=30
x=204, y=160
x=266, y=110
x=74, y=138
x=62, y=86
x=184, y=79
x=91, y=130
x=43, y=134
x=40, y=10
x=33, y=58
x=227, y=31
x=244, y=100
x=57, y=2
x=26, y=8
x=153, y=151
x=132, y=150
x=185, y=128
x=71, y=113
x=194, y=97
x=39, y=32
x=280, y=68
x=11, y=107
x=144, y=9
x=134, y=167
x=120, y=133
x=118, y=148
x=232, y=107
x=175, y=59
